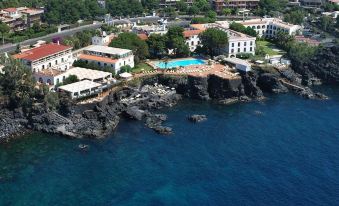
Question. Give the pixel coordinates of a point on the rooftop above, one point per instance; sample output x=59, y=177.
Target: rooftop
x=189, y=33
x=89, y=74
x=107, y=50
x=50, y=72
x=80, y=86
x=236, y=61
x=97, y=58
x=41, y=52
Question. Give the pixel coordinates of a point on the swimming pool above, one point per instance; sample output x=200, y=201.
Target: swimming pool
x=179, y=63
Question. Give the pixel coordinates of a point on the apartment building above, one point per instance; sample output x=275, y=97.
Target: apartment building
x=269, y=27
x=105, y=56
x=21, y=18
x=219, y=5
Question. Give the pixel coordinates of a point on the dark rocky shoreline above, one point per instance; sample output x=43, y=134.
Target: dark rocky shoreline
x=97, y=120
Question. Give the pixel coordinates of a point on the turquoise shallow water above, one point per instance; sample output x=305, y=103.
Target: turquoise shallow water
x=284, y=151
x=180, y=63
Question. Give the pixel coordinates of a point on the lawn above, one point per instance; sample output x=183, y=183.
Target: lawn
x=269, y=48
x=141, y=67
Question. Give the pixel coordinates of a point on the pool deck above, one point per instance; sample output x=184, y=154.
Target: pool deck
x=217, y=69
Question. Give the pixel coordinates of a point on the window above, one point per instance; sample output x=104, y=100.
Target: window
x=258, y=27
x=56, y=62
x=251, y=43
x=232, y=44
x=263, y=26
x=50, y=64
x=238, y=43
x=245, y=43
x=238, y=49
x=105, y=64
x=232, y=50
x=62, y=59
x=99, y=63
x=244, y=49
x=250, y=48
x=43, y=66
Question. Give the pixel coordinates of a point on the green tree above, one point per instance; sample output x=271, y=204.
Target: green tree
x=17, y=83
x=4, y=29
x=227, y=11
x=71, y=79
x=125, y=68
x=176, y=41
x=295, y=17
x=133, y=42
x=326, y=23
x=157, y=45
x=182, y=6
x=241, y=28
x=193, y=11
x=211, y=15
x=213, y=40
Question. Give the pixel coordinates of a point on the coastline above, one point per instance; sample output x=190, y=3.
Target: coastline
x=141, y=99
x=143, y=96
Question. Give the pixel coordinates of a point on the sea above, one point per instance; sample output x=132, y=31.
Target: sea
x=279, y=152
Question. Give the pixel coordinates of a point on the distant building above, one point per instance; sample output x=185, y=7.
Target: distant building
x=312, y=42
x=150, y=29
x=312, y=3
x=103, y=39
x=333, y=14
x=21, y=18
x=333, y=2
x=47, y=56
x=269, y=27
x=105, y=56
x=173, y=3
x=192, y=39
x=219, y=5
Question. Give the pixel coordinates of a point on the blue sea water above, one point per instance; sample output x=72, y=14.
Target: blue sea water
x=284, y=151
x=179, y=63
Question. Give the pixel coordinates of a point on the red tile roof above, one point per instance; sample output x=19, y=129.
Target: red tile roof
x=143, y=36
x=10, y=9
x=97, y=58
x=189, y=33
x=41, y=52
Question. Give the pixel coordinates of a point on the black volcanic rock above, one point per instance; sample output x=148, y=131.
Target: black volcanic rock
x=197, y=118
x=270, y=83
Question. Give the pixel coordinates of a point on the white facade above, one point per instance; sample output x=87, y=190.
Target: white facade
x=105, y=56
x=102, y=40
x=192, y=39
x=48, y=56
x=269, y=27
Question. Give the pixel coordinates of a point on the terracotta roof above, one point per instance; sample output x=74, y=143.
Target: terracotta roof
x=143, y=36
x=41, y=52
x=10, y=9
x=189, y=33
x=97, y=58
x=199, y=26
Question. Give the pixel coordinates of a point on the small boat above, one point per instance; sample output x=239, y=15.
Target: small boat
x=83, y=146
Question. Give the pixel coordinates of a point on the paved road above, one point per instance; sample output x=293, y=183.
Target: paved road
x=11, y=47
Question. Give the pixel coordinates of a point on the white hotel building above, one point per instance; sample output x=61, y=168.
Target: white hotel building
x=269, y=27
x=47, y=56
x=105, y=56
x=237, y=42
